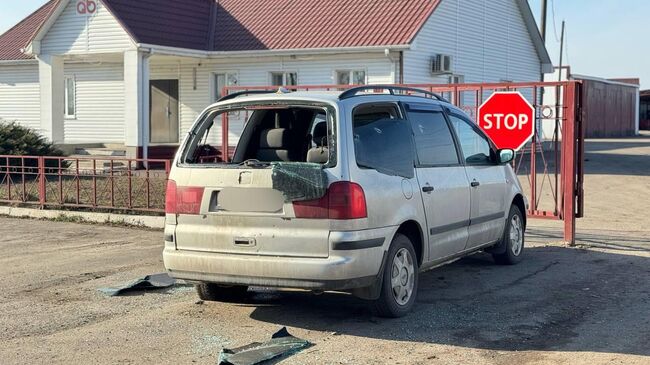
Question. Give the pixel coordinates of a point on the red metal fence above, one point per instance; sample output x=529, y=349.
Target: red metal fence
x=550, y=167
x=116, y=184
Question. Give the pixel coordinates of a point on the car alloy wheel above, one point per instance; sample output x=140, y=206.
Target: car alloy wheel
x=402, y=276
x=516, y=235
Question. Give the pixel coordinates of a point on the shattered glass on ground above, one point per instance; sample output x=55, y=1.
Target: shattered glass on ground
x=281, y=344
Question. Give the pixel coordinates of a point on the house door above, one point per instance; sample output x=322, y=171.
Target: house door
x=163, y=124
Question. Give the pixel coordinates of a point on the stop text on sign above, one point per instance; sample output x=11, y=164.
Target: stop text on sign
x=508, y=119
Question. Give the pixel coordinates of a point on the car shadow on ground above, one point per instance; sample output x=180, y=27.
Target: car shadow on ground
x=563, y=299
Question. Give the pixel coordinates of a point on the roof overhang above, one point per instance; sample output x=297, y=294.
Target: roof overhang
x=536, y=37
x=34, y=46
x=18, y=62
x=605, y=81
x=184, y=52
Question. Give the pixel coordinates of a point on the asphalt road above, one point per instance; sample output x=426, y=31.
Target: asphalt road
x=584, y=305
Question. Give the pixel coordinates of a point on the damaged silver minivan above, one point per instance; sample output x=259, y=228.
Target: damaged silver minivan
x=356, y=191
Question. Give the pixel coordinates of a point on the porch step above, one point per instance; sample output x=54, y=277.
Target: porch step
x=99, y=151
x=100, y=166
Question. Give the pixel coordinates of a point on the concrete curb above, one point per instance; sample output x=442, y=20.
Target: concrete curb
x=92, y=217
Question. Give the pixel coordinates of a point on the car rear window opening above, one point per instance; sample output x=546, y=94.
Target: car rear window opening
x=265, y=134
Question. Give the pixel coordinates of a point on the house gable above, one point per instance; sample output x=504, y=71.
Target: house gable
x=72, y=32
x=15, y=39
x=488, y=42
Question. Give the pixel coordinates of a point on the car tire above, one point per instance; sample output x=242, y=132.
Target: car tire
x=221, y=293
x=400, y=279
x=514, y=237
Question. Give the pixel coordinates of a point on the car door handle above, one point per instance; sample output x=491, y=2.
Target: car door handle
x=475, y=184
x=427, y=189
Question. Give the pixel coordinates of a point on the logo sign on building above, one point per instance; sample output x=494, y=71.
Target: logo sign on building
x=86, y=7
x=508, y=119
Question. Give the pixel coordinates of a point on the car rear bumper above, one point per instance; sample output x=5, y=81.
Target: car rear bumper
x=357, y=265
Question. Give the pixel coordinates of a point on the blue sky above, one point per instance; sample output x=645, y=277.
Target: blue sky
x=605, y=38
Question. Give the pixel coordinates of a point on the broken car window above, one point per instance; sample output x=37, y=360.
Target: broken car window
x=264, y=134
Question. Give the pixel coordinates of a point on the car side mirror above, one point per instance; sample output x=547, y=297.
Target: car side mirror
x=506, y=155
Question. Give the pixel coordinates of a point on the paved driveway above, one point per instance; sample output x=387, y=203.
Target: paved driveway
x=583, y=305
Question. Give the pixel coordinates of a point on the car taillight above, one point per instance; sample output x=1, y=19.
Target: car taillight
x=183, y=199
x=343, y=200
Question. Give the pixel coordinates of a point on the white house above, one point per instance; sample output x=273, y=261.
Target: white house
x=126, y=74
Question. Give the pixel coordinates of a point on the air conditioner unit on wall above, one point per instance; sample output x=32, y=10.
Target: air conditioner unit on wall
x=441, y=64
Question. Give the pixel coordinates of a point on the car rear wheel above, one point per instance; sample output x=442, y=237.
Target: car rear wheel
x=400, y=279
x=513, y=236
x=221, y=293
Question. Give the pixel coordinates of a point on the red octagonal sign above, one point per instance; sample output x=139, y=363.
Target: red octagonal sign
x=508, y=119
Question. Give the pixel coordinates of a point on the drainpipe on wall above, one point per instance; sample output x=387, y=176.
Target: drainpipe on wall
x=144, y=120
x=401, y=67
x=398, y=65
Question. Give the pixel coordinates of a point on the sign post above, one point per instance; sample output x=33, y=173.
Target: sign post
x=508, y=119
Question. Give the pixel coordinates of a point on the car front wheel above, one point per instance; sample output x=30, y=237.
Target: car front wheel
x=513, y=236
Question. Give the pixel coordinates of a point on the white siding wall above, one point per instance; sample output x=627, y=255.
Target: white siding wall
x=100, y=103
x=20, y=94
x=488, y=40
x=311, y=70
x=74, y=33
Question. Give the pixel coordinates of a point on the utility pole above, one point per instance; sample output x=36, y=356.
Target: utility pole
x=541, y=74
x=561, y=52
x=543, y=25
x=542, y=30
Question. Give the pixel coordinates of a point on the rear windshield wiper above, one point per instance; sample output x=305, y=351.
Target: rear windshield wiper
x=255, y=163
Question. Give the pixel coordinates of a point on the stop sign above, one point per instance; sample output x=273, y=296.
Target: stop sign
x=508, y=119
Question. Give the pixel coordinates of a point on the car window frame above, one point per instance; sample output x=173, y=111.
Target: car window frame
x=434, y=108
x=402, y=116
x=493, y=150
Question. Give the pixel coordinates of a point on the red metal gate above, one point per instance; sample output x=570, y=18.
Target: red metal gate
x=550, y=167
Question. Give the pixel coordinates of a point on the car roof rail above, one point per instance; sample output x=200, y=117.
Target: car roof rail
x=243, y=93
x=391, y=89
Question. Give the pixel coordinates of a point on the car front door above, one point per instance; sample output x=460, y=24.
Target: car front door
x=487, y=182
x=442, y=179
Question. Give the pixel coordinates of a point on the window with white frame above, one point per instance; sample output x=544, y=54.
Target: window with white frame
x=350, y=77
x=456, y=79
x=284, y=78
x=223, y=79
x=69, y=97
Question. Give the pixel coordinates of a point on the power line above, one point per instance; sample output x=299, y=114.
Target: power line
x=557, y=39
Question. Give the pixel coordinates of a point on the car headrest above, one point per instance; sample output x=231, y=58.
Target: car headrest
x=277, y=138
x=320, y=134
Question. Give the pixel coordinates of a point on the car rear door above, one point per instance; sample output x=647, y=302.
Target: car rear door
x=250, y=208
x=442, y=179
x=240, y=211
x=487, y=182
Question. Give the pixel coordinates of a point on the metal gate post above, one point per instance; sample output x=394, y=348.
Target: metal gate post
x=224, y=129
x=41, y=182
x=569, y=158
x=580, y=153
x=533, y=173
